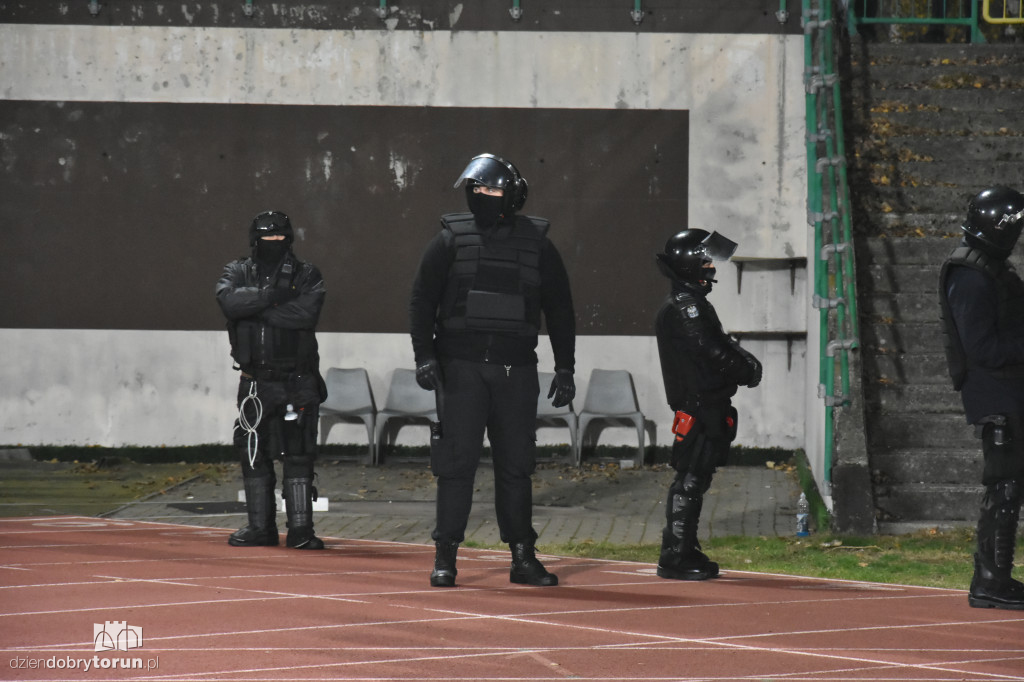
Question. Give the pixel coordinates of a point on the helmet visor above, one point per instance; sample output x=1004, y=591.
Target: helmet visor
x=487, y=170
x=719, y=247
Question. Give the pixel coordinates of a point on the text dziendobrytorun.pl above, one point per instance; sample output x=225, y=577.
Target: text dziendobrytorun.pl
x=85, y=664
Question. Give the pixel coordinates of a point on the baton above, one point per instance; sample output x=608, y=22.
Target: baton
x=436, y=428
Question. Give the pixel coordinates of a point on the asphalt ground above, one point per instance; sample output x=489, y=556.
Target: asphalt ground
x=598, y=502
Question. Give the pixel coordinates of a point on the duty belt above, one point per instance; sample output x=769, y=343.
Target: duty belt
x=267, y=374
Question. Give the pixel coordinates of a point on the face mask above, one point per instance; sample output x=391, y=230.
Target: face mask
x=271, y=251
x=486, y=209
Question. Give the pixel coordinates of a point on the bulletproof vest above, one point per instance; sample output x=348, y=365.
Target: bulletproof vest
x=1010, y=303
x=257, y=345
x=494, y=280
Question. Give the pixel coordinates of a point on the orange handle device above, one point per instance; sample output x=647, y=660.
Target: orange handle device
x=682, y=424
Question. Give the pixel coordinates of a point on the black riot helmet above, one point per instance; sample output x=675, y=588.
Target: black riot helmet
x=994, y=220
x=271, y=223
x=687, y=251
x=495, y=172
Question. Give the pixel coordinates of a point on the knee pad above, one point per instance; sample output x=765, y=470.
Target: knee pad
x=1005, y=493
x=685, y=495
x=692, y=485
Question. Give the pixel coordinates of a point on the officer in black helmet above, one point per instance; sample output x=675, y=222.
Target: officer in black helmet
x=702, y=367
x=982, y=302
x=482, y=286
x=272, y=302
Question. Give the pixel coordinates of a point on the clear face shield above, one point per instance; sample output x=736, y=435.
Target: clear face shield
x=718, y=247
x=487, y=170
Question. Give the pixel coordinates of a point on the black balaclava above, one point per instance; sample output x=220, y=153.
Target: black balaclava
x=269, y=252
x=486, y=209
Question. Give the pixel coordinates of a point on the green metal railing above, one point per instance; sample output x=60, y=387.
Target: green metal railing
x=930, y=13
x=828, y=213
x=938, y=14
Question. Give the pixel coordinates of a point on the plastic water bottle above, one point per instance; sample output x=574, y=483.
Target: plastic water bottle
x=803, y=510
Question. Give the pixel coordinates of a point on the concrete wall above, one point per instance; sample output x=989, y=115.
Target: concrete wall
x=134, y=152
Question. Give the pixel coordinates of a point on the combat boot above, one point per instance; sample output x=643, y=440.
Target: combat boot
x=261, y=509
x=299, y=494
x=444, y=571
x=527, y=569
x=683, y=560
x=681, y=556
x=992, y=588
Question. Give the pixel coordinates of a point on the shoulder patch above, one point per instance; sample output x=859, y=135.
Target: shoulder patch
x=692, y=311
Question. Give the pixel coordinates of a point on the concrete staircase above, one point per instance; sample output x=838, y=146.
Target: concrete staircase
x=927, y=127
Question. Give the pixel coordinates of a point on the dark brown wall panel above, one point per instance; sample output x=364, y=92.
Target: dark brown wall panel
x=121, y=216
x=659, y=16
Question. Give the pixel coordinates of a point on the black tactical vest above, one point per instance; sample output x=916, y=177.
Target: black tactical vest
x=494, y=280
x=1010, y=303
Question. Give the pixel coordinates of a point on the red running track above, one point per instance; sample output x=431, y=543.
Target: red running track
x=364, y=610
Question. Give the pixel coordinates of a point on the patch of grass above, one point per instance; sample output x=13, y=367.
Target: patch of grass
x=930, y=559
x=90, y=488
x=198, y=454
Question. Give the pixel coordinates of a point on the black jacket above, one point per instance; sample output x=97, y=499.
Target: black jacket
x=700, y=363
x=269, y=328
x=988, y=314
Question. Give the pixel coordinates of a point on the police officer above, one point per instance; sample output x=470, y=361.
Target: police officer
x=702, y=367
x=982, y=302
x=272, y=302
x=482, y=286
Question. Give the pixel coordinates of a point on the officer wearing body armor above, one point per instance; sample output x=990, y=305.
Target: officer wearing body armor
x=272, y=303
x=702, y=367
x=982, y=305
x=483, y=285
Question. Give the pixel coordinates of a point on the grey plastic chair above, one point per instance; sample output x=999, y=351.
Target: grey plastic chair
x=406, y=403
x=611, y=398
x=349, y=398
x=549, y=415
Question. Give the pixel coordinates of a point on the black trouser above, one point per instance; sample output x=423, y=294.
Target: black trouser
x=292, y=441
x=502, y=401
x=696, y=457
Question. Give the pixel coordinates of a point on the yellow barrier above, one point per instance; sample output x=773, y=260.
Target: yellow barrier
x=1008, y=7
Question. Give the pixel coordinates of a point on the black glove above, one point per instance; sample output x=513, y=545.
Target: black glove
x=428, y=374
x=755, y=366
x=279, y=295
x=563, y=388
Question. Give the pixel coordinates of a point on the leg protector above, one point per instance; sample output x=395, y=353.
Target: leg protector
x=992, y=585
x=681, y=555
x=444, y=571
x=298, y=499
x=527, y=569
x=261, y=509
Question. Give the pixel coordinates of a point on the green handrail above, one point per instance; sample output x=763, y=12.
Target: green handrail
x=829, y=215
x=898, y=13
